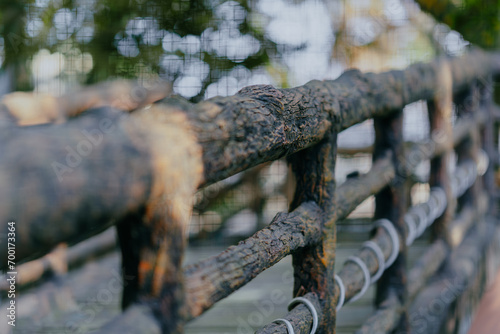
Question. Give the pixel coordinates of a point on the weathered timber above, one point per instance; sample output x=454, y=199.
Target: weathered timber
x=56, y=194
x=207, y=281
x=349, y=151
x=438, y=144
x=300, y=318
x=32, y=108
x=247, y=177
x=314, y=265
x=160, y=237
x=488, y=139
x=355, y=190
x=278, y=122
x=468, y=103
x=156, y=180
x=440, y=111
x=391, y=204
x=215, y=278
x=458, y=272
x=351, y=275
x=75, y=175
x=258, y=124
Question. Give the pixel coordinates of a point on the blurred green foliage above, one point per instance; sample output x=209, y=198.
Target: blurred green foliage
x=136, y=38
x=477, y=20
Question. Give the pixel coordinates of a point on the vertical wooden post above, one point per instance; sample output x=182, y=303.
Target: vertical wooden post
x=440, y=111
x=153, y=240
x=314, y=265
x=467, y=104
x=391, y=203
x=488, y=139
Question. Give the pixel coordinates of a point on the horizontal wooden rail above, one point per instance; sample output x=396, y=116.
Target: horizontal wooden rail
x=215, y=278
x=63, y=170
x=74, y=176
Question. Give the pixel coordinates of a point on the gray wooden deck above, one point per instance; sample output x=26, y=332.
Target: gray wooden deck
x=89, y=296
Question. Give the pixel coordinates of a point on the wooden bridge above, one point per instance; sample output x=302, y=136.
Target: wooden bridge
x=70, y=180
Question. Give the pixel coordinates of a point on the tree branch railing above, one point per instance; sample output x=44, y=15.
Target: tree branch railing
x=66, y=182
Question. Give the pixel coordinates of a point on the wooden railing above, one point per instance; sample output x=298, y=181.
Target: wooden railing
x=140, y=171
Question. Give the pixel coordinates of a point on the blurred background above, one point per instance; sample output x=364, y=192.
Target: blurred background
x=213, y=47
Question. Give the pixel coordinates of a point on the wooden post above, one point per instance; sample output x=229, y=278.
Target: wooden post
x=440, y=111
x=391, y=203
x=488, y=139
x=467, y=104
x=153, y=239
x=314, y=265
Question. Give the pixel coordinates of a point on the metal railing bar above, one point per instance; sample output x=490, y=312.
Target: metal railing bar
x=457, y=273
x=300, y=317
x=427, y=265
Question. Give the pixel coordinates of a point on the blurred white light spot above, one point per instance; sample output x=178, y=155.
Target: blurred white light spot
x=197, y=68
x=47, y=66
x=128, y=47
x=395, y=12
x=64, y=23
x=34, y=27
x=232, y=44
x=147, y=28
x=224, y=87
x=231, y=11
x=85, y=34
x=171, y=42
x=172, y=64
x=455, y=43
x=187, y=86
x=363, y=30
x=307, y=22
x=190, y=44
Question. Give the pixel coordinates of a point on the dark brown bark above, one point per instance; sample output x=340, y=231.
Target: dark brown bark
x=314, y=265
x=281, y=121
x=467, y=104
x=206, y=281
x=258, y=124
x=440, y=112
x=56, y=174
x=351, y=275
x=391, y=203
x=56, y=194
x=426, y=266
x=215, y=278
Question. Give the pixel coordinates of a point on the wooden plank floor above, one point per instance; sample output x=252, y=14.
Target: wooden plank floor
x=89, y=296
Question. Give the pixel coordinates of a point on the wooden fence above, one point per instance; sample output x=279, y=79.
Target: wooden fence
x=69, y=180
